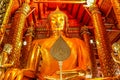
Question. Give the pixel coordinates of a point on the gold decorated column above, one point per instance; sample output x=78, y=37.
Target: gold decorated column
x=5, y=9
x=108, y=66
x=86, y=35
x=16, y=33
x=116, y=8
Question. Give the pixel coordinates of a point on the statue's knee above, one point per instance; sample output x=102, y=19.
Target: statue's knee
x=14, y=74
x=7, y=74
x=19, y=76
x=11, y=74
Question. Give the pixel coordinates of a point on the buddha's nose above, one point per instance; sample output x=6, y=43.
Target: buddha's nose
x=57, y=24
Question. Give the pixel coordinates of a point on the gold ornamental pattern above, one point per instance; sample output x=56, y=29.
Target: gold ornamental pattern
x=5, y=8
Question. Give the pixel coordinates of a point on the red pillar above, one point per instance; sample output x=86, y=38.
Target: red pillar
x=86, y=35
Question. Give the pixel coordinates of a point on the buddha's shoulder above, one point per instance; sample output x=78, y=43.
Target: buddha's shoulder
x=39, y=41
x=75, y=39
x=43, y=41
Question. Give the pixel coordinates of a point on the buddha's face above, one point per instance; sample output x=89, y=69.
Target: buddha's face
x=57, y=22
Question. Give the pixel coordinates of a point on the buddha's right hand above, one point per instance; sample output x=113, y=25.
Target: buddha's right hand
x=12, y=74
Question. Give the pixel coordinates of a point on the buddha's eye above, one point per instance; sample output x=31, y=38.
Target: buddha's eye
x=61, y=19
x=53, y=20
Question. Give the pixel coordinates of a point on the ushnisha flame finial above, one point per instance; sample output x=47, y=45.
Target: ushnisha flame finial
x=57, y=9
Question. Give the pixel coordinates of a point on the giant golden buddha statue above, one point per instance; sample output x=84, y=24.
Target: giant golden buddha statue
x=79, y=57
x=77, y=60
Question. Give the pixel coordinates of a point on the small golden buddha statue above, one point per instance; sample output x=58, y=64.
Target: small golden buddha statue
x=4, y=59
x=116, y=53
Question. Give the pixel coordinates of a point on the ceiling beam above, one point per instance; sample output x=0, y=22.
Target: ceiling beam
x=109, y=10
x=117, y=38
x=72, y=2
x=31, y=11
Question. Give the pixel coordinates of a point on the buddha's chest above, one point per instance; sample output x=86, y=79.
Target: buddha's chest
x=48, y=59
x=50, y=64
